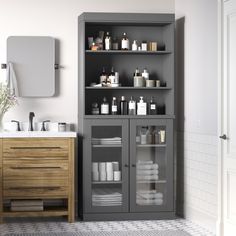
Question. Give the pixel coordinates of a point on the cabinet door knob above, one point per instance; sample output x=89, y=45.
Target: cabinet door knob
x=223, y=136
x=126, y=165
x=133, y=165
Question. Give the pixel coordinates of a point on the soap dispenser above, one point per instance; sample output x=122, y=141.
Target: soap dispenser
x=141, y=107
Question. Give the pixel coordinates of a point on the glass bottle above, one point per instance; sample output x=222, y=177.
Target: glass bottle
x=132, y=107
x=103, y=76
x=108, y=41
x=105, y=107
x=152, y=108
x=123, y=106
x=114, y=107
x=124, y=42
x=111, y=77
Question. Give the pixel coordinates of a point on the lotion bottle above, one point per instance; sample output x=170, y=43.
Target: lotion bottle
x=141, y=107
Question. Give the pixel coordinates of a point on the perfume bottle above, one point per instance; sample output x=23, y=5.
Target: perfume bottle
x=138, y=79
x=123, y=106
x=152, y=108
x=114, y=107
x=108, y=42
x=132, y=107
x=105, y=107
x=124, y=42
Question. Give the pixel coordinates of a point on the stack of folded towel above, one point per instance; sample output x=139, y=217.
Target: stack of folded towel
x=147, y=171
x=149, y=197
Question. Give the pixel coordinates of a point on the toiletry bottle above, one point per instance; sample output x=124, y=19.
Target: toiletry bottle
x=103, y=77
x=124, y=42
x=132, y=106
x=115, y=44
x=111, y=77
x=105, y=107
x=95, y=109
x=134, y=46
x=145, y=74
x=152, y=108
x=141, y=107
x=108, y=42
x=123, y=106
x=138, y=79
x=114, y=107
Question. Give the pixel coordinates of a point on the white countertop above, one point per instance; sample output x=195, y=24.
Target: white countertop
x=38, y=134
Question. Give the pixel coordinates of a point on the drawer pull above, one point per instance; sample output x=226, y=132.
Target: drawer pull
x=34, y=188
x=22, y=148
x=35, y=167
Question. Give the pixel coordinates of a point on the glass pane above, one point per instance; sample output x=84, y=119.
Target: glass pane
x=106, y=166
x=151, y=165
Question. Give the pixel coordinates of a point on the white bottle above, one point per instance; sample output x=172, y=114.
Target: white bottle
x=108, y=42
x=141, y=107
x=145, y=74
x=135, y=46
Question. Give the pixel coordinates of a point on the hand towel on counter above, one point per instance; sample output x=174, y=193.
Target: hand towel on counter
x=12, y=80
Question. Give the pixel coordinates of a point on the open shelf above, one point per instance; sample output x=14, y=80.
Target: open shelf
x=124, y=52
x=48, y=211
x=127, y=88
x=129, y=116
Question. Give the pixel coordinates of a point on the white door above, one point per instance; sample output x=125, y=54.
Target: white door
x=229, y=118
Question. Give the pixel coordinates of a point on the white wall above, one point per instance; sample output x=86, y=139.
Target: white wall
x=58, y=18
x=196, y=47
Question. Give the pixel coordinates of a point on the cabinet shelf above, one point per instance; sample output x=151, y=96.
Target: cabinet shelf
x=151, y=181
x=106, y=145
x=127, y=88
x=127, y=52
x=151, y=145
x=106, y=182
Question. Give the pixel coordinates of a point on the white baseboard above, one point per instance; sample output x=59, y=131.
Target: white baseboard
x=207, y=221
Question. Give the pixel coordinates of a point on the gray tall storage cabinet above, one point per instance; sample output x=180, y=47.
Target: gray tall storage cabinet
x=122, y=176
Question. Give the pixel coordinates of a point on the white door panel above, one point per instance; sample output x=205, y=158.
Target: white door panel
x=229, y=118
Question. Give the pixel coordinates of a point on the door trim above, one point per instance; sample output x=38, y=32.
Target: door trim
x=219, y=223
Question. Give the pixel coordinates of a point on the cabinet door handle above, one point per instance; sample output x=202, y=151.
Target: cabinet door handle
x=223, y=136
x=133, y=165
x=126, y=165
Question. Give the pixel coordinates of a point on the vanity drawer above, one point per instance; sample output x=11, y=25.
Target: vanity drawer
x=35, y=188
x=28, y=167
x=35, y=147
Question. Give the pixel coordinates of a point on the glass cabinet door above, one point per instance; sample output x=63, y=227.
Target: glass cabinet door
x=106, y=177
x=151, y=172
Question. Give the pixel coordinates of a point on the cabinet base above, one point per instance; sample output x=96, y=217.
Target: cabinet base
x=129, y=216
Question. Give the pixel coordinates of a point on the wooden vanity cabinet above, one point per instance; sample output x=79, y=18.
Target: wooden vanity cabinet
x=37, y=168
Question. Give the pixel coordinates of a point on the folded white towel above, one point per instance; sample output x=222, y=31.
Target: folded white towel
x=147, y=172
x=147, y=177
x=149, y=195
x=147, y=167
x=150, y=202
x=11, y=80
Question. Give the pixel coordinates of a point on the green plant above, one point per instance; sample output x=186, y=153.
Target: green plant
x=6, y=100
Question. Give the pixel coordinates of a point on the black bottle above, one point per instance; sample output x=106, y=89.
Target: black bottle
x=123, y=106
x=103, y=76
x=152, y=108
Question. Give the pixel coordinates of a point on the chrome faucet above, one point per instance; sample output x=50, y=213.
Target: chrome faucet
x=31, y=116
